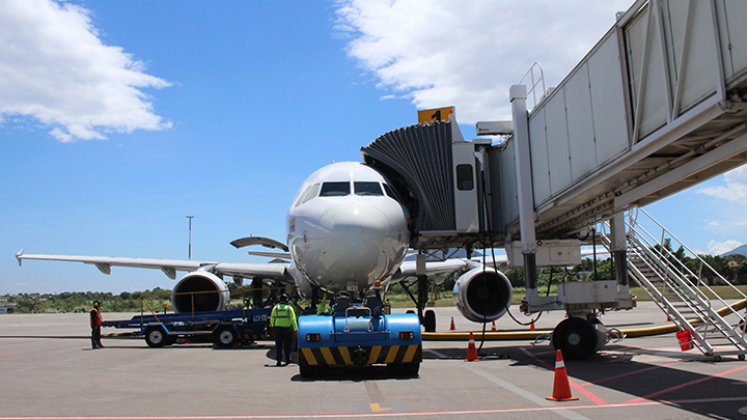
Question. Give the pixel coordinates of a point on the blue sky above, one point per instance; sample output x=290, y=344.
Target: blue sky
x=119, y=119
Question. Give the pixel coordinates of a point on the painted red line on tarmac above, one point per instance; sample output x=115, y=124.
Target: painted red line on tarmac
x=629, y=374
x=685, y=385
x=559, y=407
x=7, y=356
x=588, y=394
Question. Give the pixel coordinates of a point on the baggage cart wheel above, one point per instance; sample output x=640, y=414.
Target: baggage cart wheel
x=155, y=337
x=225, y=337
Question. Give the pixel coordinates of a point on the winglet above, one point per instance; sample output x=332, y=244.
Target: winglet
x=18, y=257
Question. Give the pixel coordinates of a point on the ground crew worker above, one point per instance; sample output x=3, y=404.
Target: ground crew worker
x=96, y=320
x=283, y=319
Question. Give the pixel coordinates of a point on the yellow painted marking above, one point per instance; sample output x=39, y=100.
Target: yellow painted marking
x=328, y=356
x=392, y=354
x=374, y=354
x=435, y=114
x=345, y=355
x=375, y=408
x=309, y=356
x=410, y=353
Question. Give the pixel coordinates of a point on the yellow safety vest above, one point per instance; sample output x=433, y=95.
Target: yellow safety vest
x=283, y=316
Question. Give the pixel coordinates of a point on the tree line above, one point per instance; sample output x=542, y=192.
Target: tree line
x=83, y=301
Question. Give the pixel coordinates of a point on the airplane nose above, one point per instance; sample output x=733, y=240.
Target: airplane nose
x=356, y=219
x=356, y=245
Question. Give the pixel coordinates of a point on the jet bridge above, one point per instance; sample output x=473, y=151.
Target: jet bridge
x=658, y=105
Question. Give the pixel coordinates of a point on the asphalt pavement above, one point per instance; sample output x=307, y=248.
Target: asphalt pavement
x=49, y=371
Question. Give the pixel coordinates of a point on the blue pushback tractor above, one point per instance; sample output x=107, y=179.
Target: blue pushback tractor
x=357, y=335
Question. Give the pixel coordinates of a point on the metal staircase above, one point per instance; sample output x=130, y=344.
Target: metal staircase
x=681, y=294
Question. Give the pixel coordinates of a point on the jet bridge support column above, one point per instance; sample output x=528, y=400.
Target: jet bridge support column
x=518, y=94
x=619, y=248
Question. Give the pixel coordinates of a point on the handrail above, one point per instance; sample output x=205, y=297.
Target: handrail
x=671, y=267
x=703, y=262
x=539, y=80
x=693, y=253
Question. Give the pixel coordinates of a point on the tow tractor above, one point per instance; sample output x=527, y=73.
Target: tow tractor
x=223, y=328
x=359, y=334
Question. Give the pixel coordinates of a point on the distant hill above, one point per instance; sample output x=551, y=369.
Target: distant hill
x=739, y=250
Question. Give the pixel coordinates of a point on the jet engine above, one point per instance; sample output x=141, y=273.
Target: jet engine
x=200, y=291
x=483, y=294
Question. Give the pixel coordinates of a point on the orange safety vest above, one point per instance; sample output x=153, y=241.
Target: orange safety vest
x=96, y=319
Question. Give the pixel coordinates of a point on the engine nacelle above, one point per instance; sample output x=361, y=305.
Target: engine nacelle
x=200, y=291
x=483, y=294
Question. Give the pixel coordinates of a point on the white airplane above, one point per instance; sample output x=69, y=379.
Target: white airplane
x=346, y=226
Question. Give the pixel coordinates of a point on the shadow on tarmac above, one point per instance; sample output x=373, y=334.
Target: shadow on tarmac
x=710, y=395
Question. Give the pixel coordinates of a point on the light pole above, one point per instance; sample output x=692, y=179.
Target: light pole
x=190, y=235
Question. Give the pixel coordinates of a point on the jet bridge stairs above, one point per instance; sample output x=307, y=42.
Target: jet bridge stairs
x=681, y=294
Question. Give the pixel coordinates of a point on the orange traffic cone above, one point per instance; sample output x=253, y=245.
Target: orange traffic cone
x=471, y=350
x=493, y=328
x=531, y=326
x=561, y=389
x=453, y=327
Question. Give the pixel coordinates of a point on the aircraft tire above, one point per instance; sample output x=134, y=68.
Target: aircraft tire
x=429, y=321
x=155, y=337
x=576, y=338
x=225, y=337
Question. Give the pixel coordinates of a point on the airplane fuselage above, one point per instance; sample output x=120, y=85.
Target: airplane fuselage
x=346, y=227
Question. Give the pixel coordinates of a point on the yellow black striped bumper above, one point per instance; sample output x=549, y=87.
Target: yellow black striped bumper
x=363, y=355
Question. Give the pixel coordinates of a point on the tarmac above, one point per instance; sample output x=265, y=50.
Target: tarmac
x=49, y=371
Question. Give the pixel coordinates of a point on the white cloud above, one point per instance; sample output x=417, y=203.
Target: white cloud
x=468, y=54
x=718, y=248
x=55, y=69
x=735, y=190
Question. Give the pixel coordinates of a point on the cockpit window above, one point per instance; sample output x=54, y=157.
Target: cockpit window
x=390, y=193
x=302, y=196
x=335, y=189
x=312, y=193
x=368, y=188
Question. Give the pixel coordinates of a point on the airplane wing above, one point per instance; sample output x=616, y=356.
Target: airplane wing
x=408, y=268
x=274, y=271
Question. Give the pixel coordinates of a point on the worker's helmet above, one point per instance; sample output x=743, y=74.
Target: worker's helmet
x=96, y=302
x=283, y=297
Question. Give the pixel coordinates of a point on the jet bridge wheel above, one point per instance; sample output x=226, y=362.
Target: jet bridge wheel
x=576, y=338
x=155, y=337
